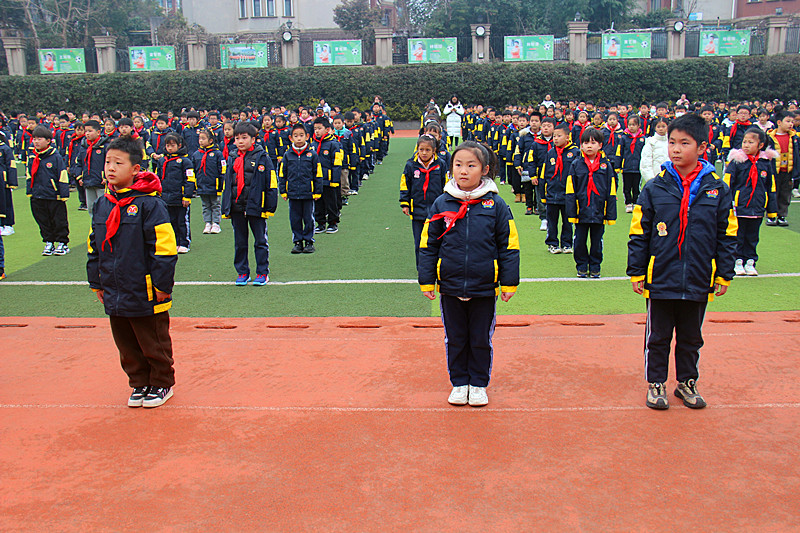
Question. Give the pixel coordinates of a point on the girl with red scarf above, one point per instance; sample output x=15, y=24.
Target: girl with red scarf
x=209, y=171
x=630, y=150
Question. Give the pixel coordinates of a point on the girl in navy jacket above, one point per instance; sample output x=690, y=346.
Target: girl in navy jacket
x=470, y=249
x=630, y=155
x=209, y=171
x=178, y=184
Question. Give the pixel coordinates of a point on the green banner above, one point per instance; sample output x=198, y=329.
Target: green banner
x=626, y=45
x=253, y=55
x=433, y=50
x=725, y=43
x=337, y=53
x=62, y=60
x=529, y=48
x=145, y=58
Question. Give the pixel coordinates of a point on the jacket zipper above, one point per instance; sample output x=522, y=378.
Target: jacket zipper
x=466, y=252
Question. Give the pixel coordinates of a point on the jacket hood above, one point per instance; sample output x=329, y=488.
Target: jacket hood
x=144, y=182
x=739, y=156
x=487, y=185
x=708, y=168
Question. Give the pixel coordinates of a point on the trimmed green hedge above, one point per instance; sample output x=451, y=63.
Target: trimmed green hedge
x=406, y=89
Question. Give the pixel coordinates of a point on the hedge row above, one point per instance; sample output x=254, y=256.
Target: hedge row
x=406, y=89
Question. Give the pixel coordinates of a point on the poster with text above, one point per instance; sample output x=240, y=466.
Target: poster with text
x=62, y=60
x=144, y=58
x=725, y=43
x=433, y=50
x=626, y=45
x=337, y=53
x=529, y=48
x=253, y=55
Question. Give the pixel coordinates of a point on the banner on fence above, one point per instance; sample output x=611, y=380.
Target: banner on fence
x=529, y=48
x=337, y=53
x=433, y=50
x=253, y=55
x=725, y=43
x=145, y=58
x=62, y=60
x=626, y=45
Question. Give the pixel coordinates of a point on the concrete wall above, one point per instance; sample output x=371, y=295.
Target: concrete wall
x=222, y=16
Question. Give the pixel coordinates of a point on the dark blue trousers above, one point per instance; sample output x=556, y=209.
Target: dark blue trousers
x=301, y=219
x=588, y=259
x=258, y=227
x=685, y=318
x=553, y=213
x=416, y=229
x=747, y=238
x=468, y=330
x=179, y=218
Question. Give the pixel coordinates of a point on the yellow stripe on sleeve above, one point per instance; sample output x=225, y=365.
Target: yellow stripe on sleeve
x=636, y=221
x=513, y=236
x=423, y=241
x=165, y=240
x=733, y=224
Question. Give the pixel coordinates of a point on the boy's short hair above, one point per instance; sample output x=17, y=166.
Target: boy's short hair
x=705, y=109
x=535, y=114
x=245, y=128
x=562, y=127
x=662, y=105
x=523, y=116
x=193, y=114
x=349, y=115
x=42, y=132
x=79, y=125
x=784, y=114
x=298, y=126
x=213, y=114
x=63, y=117
x=592, y=134
x=549, y=120
x=173, y=137
x=125, y=122
x=129, y=145
x=743, y=106
x=692, y=125
x=93, y=124
x=163, y=118
x=337, y=117
x=116, y=115
x=326, y=123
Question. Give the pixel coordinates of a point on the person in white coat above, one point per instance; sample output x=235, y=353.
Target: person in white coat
x=655, y=151
x=454, y=112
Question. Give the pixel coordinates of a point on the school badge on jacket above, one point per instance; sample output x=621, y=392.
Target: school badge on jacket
x=133, y=210
x=662, y=229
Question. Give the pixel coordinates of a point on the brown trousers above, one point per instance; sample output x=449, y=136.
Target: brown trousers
x=145, y=349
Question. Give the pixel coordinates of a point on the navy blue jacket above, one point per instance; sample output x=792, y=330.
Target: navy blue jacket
x=749, y=201
x=209, y=175
x=629, y=153
x=331, y=156
x=157, y=140
x=602, y=208
x=51, y=181
x=707, y=254
x=8, y=178
x=415, y=193
x=177, y=179
x=300, y=174
x=478, y=257
x=92, y=169
x=555, y=184
x=191, y=138
x=611, y=144
x=259, y=197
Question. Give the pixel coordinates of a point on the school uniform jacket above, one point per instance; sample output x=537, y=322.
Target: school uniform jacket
x=735, y=135
x=157, y=140
x=537, y=155
x=577, y=130
x=707, y=254
x=191, y=138
x=178, y=182
x=751, y=200
x=524, y=144
x=350, y=155
x=209, y=170
x=51, y=181
x=420, y=186
x=331, y=156
x=259, y=197
x=300, y=174
x=280, y=138
x=92, y=170
x=791, y=157
x=138, y=260
x=479, y=256
x=585, y=207
x=555, y=182
x=611, y=144
x=8, y=177
x=716, y=137
x=630, y=152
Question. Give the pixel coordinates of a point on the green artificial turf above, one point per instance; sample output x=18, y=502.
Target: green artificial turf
x=374, y=242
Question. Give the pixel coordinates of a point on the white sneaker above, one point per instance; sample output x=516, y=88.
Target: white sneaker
x=183, y=250
x=738, y=268
x=7, y=230
x=215, y=228
x=543, y=227
x=796, y=193
x=207, y=228
x=478, y=396
x=459, y=395
x=554, y=249
x=629, y=208
x=750, y=268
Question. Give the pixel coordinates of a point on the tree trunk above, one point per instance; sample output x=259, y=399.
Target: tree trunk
x=29, y=18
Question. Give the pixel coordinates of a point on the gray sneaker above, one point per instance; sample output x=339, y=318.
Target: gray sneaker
x=657, y=396
x=687, y=391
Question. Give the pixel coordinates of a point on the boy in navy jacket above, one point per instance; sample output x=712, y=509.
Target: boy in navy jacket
x=47, y=186
x=553, y=176
x=300, y=182
x=249, y=197
x=680, y=252
x=331, y=156
x=131, y=268
x=92, y=158
x=178, y=185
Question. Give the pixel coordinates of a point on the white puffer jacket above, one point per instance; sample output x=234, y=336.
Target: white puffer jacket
x=654, y=154
x=453, y=113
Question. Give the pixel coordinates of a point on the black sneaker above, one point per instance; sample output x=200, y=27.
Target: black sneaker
x=687, y=391
x=595, y=275
x=332, y=228
x=771, y=221
x=157, y=396
x=137, y=396
x=309, y=248
x=657, y=396
x=782, y=221
x=583, y=274
x=298, y=247
x=529, y=211
x=82, y=208
x=320, y=228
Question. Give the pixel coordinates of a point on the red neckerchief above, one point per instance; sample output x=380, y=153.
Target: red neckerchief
x=72, y=145
x=138, y=130
x=634, y=138
x=684, y=212
x=88, y=160
x=613, y=131
x=35, y=164
x=453, y=215
x=752, y=177
x=135, y=134
x=542, y=140
x=590, y=186
x=203, y=160
x=559, y=162
x=167, y=159
x=159, y=135
x=30, y=138
x=427, y=171
x=144, y=182
x=583, y=126
x=319, y=142
x=644, y=118
x=305, y=147
x=736, y=126
x=238, y=167
x=226, y=149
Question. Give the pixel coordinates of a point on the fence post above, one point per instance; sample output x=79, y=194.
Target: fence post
x=383, y=46
x=106, y=47
x=15, y=55
x=290, y=50
x=676, y=40
x=578, y=32
x=480, y=43
x=196, y=44
x=776, y=36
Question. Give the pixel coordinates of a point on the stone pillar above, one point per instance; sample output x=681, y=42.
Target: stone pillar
x=196, y=45
x=383, y=46
x=578, y=35
x=776, y=36
x=676, y=41
x=290, y=50
x=15, y=55
x=106, y=48
x=481, y=51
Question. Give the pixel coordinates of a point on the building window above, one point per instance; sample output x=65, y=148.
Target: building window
x=655, y=5
x=242, y=9
x=270, y=8
x=287, y=8
x=256, y=8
